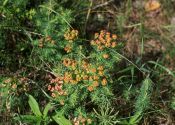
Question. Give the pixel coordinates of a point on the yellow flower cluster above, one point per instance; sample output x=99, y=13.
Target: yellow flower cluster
x=80, y=120
x=16, y=86
x=68, y=48
x=71, y=35
x=24, y=86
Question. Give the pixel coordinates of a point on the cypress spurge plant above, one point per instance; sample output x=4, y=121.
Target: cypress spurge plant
x=83, y=77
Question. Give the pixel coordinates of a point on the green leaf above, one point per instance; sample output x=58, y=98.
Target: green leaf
x=38, y=123
x=124, y=122
x=28, y=118
x=34, y=106
x=164, y=68
x=5, y=2
x=135, y=119
x=46, y=109
x=61, y=120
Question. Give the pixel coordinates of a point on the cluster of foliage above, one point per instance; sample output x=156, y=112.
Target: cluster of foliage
x=67, y=78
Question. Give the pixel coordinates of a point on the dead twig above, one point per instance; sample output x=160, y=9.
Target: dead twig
x=88, y=14
x=103, y=4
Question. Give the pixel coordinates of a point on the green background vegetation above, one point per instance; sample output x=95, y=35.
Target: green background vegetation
x=140, y=69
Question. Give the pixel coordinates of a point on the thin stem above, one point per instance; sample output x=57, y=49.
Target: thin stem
x=128, y=61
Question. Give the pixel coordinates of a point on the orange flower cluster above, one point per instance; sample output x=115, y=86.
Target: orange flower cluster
x=71, y=35
x=47, y=39
x=105, y=56
x=87, y=74
x=104, y=40
x=99, y=77
x=7, y=80
x=56, y=87
x=70, y=63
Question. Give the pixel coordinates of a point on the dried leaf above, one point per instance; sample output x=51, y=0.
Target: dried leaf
x=152, y=5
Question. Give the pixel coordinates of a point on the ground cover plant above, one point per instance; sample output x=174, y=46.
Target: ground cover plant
x=93, y=62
